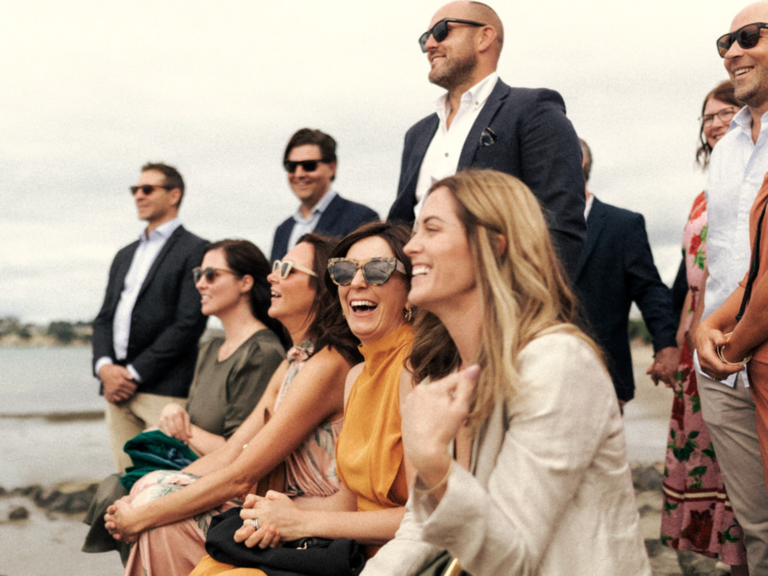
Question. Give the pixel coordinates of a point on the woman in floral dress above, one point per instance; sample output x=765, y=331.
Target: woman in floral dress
x=697, y=514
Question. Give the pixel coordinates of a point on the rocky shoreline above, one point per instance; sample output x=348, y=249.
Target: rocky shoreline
x=67, y=503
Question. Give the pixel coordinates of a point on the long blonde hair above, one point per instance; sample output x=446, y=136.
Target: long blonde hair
x=522, y=288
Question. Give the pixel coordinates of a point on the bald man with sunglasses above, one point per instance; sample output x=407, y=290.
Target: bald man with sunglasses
x=736, y=170
x=483, y=123
x=145, y=335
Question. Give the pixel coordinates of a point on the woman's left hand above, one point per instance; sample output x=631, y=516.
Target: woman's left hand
x=118, y=521
x=432, y=415
x=278, y=517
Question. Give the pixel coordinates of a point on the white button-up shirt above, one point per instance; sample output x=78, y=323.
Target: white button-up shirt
x=145, y=255
x=442, y=157
x=736, y=172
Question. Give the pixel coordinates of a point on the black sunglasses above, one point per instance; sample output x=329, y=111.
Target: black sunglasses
x=747, y=36
x=306, y=165
x=147, y=189
x=376, y=271
x=440, y=30
x=210, y=274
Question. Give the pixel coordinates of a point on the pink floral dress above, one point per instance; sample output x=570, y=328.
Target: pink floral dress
x=697, y=514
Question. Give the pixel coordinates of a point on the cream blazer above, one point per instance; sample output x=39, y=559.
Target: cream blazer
x=550, y=491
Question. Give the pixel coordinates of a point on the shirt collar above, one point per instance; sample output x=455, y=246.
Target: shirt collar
x=164, y=230
x=319, y=208
x=477, y=95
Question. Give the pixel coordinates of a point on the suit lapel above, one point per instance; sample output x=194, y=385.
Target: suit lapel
x=330, y=215
x=420, y=144
x=595, y=223
x=160, y=257
x=495, y=101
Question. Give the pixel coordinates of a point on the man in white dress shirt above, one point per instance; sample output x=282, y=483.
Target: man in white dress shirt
x=738, y=164
x=483, y=123
x=145, y=335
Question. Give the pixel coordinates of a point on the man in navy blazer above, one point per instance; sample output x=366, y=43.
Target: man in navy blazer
x=615, y=269
x=145, y=335
x=310, y=160
x=483, y=123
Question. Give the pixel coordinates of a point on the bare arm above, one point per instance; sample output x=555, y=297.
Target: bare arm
x=314, y=396
x=699, y=312
x=332, y=517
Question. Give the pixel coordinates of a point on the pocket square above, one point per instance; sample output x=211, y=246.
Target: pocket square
x=488, y=137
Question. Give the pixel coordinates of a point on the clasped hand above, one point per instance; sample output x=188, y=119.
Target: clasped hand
x=116, y=520
x=174, y=421
x=707, y=340
x=278, y=519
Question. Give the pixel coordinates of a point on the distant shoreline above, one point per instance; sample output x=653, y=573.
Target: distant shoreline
x=38, y=341
x=78, y=416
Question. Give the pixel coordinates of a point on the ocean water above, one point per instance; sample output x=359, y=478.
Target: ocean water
x=51, y=418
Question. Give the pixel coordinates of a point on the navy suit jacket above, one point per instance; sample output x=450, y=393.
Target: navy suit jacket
x=339, y=219
x=615, y=269
x=523, y=132
x=166, y=322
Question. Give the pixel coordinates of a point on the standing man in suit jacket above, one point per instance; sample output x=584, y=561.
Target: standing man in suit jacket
x=615, y=269
x=483, y=123
x=310, y=160
x=145, y=335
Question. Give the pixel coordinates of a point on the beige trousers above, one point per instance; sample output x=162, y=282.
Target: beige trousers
x=125, y=420
x=730, y=416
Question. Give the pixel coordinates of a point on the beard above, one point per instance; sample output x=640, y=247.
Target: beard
x=454, y=71
x=755, y=93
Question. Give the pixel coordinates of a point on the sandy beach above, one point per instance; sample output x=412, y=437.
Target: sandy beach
x=49, y=542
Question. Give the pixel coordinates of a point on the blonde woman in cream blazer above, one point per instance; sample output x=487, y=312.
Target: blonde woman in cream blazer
x=514, y=430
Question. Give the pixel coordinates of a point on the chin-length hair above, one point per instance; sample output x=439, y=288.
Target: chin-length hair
x=521, y=286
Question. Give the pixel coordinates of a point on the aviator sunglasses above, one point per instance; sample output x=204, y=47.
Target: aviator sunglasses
x=440, y=30
x=306, y=165
x=147, y=189
x=376, y=271
x=285, y=267
x=747, y=36
x=209, y=273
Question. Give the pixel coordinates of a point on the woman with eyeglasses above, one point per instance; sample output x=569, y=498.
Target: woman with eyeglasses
x=514, y=429
x=695, y=515
x=370, y=274
x=296, y=421
x=231, y=374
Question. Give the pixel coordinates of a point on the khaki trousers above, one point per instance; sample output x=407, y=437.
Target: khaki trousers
x=730, y=416
x=129, y=418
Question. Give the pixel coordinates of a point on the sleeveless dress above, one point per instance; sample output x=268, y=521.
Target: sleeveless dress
x=369, y=451
x=175, y=549
x=697, y=514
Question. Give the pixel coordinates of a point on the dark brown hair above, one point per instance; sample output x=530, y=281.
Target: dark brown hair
x=172, y=176
x=324, y=313
x=307, y=136
x=724, y=92
x=245, y=258
x=395, y=235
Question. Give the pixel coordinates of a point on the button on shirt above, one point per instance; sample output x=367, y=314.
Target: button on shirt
x=442, y=157
x=305, y=226
x=735, y=174
x=145, y=255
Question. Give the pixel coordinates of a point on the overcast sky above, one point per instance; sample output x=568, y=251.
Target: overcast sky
x=91, y=90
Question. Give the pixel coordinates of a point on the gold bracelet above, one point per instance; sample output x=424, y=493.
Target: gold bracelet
x=719, y=350
x=442, y=482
